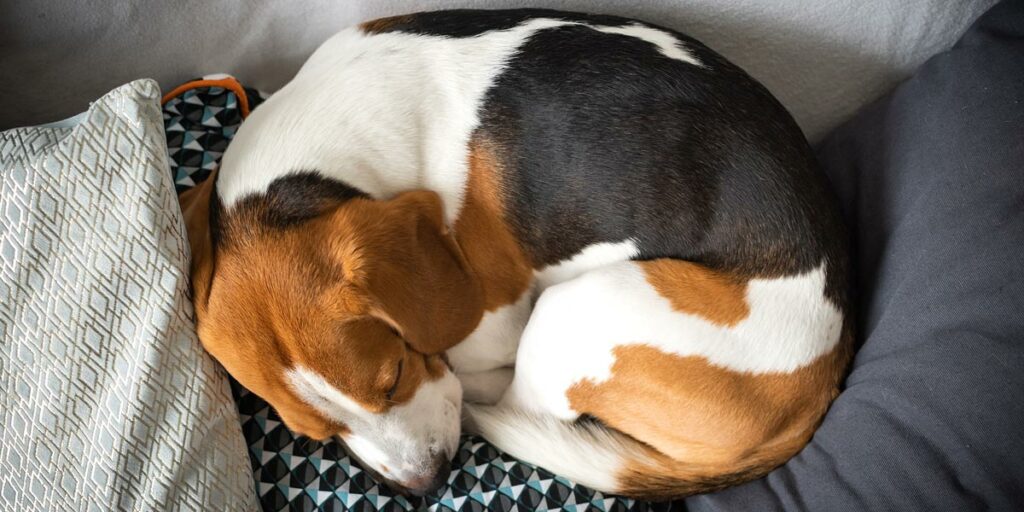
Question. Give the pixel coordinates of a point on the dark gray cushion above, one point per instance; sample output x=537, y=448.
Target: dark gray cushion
x=931, y=179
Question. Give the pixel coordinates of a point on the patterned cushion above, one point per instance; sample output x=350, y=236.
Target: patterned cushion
x=300, y=474
x=108, y=400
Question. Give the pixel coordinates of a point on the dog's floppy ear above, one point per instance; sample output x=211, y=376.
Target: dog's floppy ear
x=195, y=206
x=422, y=281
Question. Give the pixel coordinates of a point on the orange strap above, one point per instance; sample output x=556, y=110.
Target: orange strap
x=227, y=83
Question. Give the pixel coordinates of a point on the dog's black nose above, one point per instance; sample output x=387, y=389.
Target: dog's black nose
x=421, y=486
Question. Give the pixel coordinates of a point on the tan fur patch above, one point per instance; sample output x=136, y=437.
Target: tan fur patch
x=698, y=290
x=352, y=292
x=195, y=207
x=483, y=233
x=693, y=411
x=348, y=295
x=704, y=427
x=383, y=24
x=242, y=345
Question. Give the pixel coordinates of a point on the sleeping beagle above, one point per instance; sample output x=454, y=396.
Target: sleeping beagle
x=615, y=211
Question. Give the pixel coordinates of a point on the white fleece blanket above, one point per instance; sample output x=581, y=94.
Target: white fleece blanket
x=823, y=58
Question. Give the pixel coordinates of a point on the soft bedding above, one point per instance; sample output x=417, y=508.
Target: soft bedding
x=931, y=179
x=108, y=401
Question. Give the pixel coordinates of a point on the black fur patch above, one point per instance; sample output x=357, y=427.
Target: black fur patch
x=296, y=198
x=604, y=138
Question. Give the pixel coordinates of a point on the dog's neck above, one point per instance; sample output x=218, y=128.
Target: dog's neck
x=487, y=240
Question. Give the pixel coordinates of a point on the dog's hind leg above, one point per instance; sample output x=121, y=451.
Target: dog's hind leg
x=483, y=361
x=698, y=378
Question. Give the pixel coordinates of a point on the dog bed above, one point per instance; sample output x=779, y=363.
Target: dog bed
x=930, y=180
x=200, y=118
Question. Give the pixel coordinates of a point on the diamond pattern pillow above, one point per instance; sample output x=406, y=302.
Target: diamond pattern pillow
x=108, y=401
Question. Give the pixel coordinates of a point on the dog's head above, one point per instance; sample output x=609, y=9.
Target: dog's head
x=337, y=308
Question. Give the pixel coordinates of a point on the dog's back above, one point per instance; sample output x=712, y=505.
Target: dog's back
x=692, y=324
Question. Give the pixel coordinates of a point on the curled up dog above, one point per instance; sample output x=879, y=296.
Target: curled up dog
x=607, y=240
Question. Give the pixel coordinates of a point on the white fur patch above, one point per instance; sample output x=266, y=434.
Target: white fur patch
x=577, y=324
x=590, y=258
x=385, y=113
x=587, y=454
x=494, y=342
x=330, y=401
x=666, y=42
x=485, y=387
x=401, y=443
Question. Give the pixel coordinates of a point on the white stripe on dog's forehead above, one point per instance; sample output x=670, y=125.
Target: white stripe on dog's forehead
x=401, y=442
x=330, y=401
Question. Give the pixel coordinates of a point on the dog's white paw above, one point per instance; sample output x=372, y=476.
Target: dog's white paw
x=485, y=387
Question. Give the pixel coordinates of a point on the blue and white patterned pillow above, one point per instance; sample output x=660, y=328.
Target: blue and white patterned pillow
x=108, y=401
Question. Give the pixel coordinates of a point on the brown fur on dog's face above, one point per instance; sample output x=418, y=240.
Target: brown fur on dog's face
x=339, y=321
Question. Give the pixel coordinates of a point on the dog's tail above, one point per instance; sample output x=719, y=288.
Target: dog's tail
x=604, y=459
